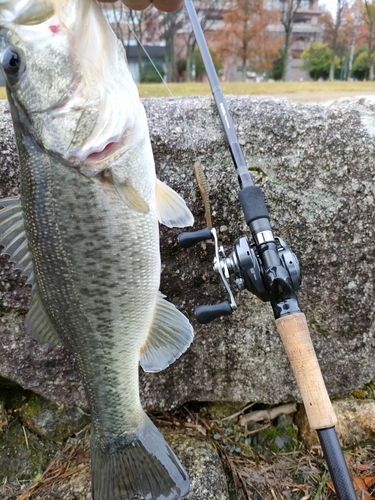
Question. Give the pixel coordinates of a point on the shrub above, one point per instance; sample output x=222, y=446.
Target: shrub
x=317, y=60
x=149, y=73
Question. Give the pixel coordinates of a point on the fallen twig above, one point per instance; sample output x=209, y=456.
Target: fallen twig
x=270, y=414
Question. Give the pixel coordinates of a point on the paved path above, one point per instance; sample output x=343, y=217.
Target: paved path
x=317, y=96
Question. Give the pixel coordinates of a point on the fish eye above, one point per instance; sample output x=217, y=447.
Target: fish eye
x=12, y=63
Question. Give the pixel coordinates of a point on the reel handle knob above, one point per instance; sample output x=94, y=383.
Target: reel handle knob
x=206, y=314
x=189, y=239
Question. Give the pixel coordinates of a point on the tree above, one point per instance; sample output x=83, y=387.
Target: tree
x=317, y=60
x=200, y=68
x=339, y=15
x=131, y=26
x=169, y=24
x=151, y=73
x=354, y=36
x=288, y=14
x=206, y=13
x=369, y=19
x=245, y=36
x=135, y=25
x=360, y=64
x=276, y=72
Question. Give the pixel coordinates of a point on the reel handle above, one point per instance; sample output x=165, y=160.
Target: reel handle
x=189, y=239
x=206, y=314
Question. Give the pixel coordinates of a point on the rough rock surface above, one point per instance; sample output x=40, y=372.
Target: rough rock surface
x=355, y=423
x=316, y=167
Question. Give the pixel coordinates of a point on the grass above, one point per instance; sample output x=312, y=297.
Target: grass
x=239, y=88
x=267, y=88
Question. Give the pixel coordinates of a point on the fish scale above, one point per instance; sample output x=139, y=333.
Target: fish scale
x=88, y=331
x=86, y=232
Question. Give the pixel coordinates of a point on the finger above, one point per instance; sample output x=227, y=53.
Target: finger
x=168, y=5
x=164, y=5
x=137, y=4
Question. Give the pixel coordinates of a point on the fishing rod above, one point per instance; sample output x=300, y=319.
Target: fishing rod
x=270, y=270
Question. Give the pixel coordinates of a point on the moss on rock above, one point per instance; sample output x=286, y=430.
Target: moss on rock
x=365, y=392
x=275, y=439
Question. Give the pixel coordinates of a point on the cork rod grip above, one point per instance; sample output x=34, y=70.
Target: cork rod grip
x=295, y=335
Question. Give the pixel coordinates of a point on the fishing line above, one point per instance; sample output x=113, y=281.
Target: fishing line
x=150, y=59
x=197, y=167
x=179, y=107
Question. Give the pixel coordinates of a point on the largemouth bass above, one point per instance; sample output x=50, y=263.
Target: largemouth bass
x=85, y=230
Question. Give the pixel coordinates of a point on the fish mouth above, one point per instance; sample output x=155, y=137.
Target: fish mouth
x=97, y=159
x=109, y=149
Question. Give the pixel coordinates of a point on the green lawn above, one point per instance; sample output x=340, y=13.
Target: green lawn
x=239, y=88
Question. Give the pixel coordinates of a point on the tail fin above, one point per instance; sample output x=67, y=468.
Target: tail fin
x=140, y=464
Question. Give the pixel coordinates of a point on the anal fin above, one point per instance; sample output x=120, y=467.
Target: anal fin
x=37, y=323
x=170, y=335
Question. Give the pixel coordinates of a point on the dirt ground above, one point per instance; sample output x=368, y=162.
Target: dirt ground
x=253, y=472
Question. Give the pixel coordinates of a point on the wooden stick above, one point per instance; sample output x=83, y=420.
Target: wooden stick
x=257, y=416
x=295, y=335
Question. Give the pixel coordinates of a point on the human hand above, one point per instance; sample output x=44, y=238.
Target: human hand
x=164, y=5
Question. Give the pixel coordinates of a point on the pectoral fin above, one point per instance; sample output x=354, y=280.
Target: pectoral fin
x=13, y=236
x=169, y=337
x=171, y=208
x=37, y=323
x=129, y=195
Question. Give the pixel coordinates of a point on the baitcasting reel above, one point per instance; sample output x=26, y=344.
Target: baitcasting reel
x=247, y=267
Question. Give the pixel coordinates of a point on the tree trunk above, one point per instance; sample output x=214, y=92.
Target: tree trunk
x=139, y=58
x=332, y=68
x=170, y=60
x=354, y=39
x=244, y=52
x=190, y=62
x=334, y=41
x=371, y=68
x=285, y=76
x=243, y=71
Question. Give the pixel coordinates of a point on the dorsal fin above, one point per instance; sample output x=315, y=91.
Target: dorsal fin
x=37, y=323
x=14, y=240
